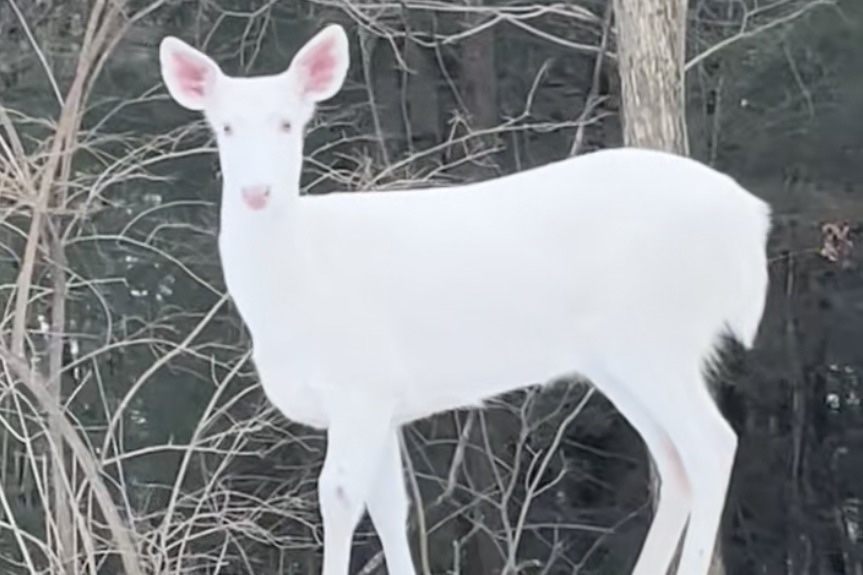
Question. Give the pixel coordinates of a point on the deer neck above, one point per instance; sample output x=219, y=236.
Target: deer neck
x=258, y=252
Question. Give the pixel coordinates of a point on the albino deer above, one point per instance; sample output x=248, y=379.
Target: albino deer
x=371, y=310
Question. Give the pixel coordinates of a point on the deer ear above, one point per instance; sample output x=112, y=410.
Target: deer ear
x=318, y=70
x=189, y=75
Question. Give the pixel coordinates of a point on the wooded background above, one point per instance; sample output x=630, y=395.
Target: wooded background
x=134, y=437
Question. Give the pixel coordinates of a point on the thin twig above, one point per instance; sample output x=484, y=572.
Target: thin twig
x=593, y=99
x=744, y=34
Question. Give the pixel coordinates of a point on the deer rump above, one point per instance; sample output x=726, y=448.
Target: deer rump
x=437, y=299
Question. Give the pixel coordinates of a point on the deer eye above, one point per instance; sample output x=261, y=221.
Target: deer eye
x=227, y=129
x=285, y=126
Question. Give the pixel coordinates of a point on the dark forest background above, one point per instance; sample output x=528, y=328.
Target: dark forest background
x=130, y=416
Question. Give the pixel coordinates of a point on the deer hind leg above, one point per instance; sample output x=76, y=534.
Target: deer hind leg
x=648, y=408
x=709, y=468
x=356, y=442
x=388, y=507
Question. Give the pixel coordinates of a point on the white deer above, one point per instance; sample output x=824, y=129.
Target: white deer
x=371, y=310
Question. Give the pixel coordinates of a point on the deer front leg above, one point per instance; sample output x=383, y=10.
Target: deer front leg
x=357, y=439
x=388, y=507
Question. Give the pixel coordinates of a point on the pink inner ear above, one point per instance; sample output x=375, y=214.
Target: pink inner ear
x=320, y=65
x=191, y=75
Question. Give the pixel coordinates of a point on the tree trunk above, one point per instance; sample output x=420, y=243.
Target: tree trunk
x=65, y=545
x=651, y=42
x=478, y=87
x=651, y=51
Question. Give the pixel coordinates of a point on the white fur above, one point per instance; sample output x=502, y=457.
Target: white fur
x=371, y=310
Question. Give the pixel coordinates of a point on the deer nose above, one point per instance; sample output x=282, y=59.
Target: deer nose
x=255, y=197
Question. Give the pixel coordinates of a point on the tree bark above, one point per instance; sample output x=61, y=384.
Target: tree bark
x=478, y=87
x=651, y=46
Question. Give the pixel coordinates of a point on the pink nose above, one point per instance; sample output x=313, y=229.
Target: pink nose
x=256, y=197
